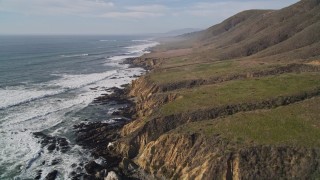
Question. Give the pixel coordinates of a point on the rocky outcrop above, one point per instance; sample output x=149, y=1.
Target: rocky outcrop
x=53, y=143
x=52, y=175
x=143, y=89
x=147, y=99
x=144, y=62
x=177, y=156
x=112, y=176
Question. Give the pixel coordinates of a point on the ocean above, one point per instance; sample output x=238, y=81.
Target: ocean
x=48, y=84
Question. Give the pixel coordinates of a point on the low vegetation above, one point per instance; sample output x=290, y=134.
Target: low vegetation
x=294, y=125
x=241, y=91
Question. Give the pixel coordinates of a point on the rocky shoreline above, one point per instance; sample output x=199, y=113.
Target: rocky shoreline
x=98, y=137
x=112, y=145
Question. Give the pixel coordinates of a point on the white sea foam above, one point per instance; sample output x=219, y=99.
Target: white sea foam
x=109, y=121
x=19, y=146
x=18, y=95
x=43, y=107
x=31, y=111
x=133, y=51
x=107, y=40
x=77, y=81
x=49, y=111
x=142, y=47
x=74, y=55
x=139, y=40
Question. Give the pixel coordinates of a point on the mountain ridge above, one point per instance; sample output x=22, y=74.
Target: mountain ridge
x=253, y=31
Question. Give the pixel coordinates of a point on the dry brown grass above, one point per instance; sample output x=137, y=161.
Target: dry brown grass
x=288, y=34
x=315, y=63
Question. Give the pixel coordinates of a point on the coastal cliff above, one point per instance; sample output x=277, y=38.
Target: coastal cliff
x=233, y=106
x=165, y=152
x=177, y=156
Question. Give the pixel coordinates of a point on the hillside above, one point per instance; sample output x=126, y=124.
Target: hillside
x=239, y=100
x=290, y=32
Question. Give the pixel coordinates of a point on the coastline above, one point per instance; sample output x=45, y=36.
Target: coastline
x=39, y=136
x=143, y=148
x=151, y=146
x=237, y=100
x=99, y=137
x=157, y=148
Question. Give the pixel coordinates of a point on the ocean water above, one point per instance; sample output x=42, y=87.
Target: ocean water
x=47, y=84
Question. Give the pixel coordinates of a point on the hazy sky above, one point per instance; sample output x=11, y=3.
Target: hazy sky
x=119, y=16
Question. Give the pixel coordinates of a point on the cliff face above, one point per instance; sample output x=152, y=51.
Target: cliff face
x=167, y=154
x=147, y=99
x=194, y=157
x=178, y=156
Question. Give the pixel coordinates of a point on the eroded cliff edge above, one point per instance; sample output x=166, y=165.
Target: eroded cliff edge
x=167, y=148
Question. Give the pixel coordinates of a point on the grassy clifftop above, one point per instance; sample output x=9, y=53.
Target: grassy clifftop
x=296, y=125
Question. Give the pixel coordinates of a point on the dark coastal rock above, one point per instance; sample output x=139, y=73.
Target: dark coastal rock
x=83, y=176
x=56, y=161
x=51, y=147
x=52, y=175
x=118, y=95
x=62, y=141
x=65, y=149
x=39, y=173
x=39, y=134
x=127, y=112
x=103, y=173
x=141, y=62
x=96, y=135
x=128, y=165
x=53, y=143
x=89, y=177
x=113, y=160
x=125, y=85
x=73, y=174
x=116, y=113
x=45, y=139
x=92, y=167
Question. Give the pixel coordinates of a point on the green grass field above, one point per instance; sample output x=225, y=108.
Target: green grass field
x=240, y=91
x=179, y=69
x=296, y=124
